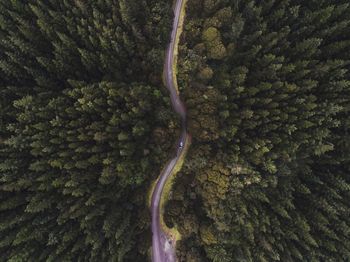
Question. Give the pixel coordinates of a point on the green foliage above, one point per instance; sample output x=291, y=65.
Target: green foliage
x=78, y=111
x=269, y=163
x=212, y=40
x=85, y=127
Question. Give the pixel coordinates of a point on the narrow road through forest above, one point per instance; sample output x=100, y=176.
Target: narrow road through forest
x=163, y=245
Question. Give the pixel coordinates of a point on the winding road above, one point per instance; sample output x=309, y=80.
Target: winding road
x=163, y=245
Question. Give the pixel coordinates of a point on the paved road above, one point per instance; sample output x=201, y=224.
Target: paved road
x=163, y=249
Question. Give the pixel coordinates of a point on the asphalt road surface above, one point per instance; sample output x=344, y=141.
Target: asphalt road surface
x=163, y=249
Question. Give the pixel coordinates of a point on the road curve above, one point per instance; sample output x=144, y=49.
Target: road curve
x=163, y=249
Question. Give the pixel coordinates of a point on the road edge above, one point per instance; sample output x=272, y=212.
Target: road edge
x=169, y=183
x=166, y=193
x=177, y=41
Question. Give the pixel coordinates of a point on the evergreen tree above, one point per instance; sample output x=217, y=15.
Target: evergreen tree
x=79, y=115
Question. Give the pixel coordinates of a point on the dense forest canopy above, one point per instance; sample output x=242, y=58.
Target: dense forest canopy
x=267, y=86
x=86, y=126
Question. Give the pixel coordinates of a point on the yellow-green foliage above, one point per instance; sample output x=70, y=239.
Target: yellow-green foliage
x=212, y=39
x=177, y=40
x=207, y=235
x=169, y=183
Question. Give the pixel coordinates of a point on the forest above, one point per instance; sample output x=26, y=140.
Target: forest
x=267, y=88
x=86, y=126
